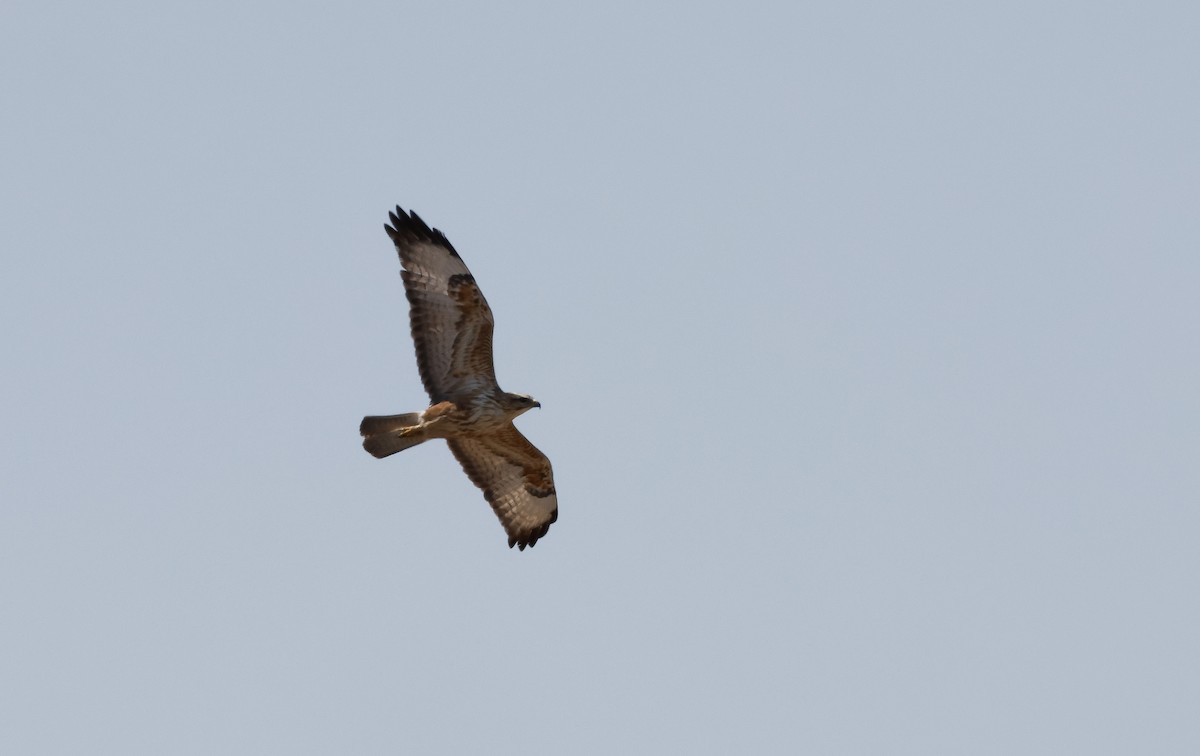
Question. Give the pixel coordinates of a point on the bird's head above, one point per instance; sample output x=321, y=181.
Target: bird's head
x=519, y=403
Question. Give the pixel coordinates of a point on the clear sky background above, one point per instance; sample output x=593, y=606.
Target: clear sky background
x=866, y=336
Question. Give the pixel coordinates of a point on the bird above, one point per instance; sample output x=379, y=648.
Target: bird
x=452, y=326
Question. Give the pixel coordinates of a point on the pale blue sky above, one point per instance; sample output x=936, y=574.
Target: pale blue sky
x=865, y=333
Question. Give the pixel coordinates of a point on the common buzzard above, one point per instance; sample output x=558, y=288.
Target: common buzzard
x=452, y=329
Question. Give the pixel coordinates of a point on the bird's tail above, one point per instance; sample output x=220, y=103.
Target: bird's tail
x=384, y=435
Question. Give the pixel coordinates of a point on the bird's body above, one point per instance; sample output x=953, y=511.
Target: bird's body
x=462, y=417
x=452, y=330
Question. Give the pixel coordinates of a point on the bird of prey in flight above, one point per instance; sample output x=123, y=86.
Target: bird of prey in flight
x=452, y=330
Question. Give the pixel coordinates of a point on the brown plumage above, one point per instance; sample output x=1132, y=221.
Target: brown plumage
x=452, y=331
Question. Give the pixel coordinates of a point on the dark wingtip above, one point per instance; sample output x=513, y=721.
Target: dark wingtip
x=520, y=545
x=529, y=540
x=407, y=227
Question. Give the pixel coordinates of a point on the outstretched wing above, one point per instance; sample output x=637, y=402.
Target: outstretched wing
x=516, y=480
x=451, y=321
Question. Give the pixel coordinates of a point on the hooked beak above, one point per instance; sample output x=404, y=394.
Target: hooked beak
x=537, y=404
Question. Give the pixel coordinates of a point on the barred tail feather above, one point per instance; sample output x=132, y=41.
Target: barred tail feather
x=384, y=435
x=373, y=424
